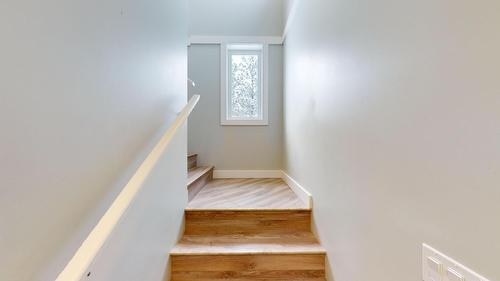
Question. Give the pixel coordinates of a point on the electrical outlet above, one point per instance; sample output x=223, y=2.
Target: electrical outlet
x=436, y=266
x=433, y=269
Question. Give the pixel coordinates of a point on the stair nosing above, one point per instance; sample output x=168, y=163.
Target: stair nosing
x=246, y=209
x=319, y=250
x=253, y=253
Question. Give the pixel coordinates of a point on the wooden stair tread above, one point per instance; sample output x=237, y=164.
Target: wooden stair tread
x=197, y=172
x=298, y=243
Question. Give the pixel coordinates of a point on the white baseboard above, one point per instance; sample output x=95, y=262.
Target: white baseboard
x=299, y=190
x=247, y=174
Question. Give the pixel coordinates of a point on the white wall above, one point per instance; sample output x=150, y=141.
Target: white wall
x=392, y=122
x=236, y=17
x=84, y=86
x=288, y=11
x=233, y=147
x=139, y=247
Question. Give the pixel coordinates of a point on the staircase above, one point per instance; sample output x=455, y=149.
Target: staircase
x=198, y=177
x=245, y=229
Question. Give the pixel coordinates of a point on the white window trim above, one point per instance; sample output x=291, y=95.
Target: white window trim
x=224, y=74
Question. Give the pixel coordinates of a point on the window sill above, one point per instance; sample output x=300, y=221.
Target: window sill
x=244, y=123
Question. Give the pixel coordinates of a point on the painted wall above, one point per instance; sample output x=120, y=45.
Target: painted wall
x=138, y=248
x=288, y=11
x=392, y=122
x=84, y=87
x=236, y=17
x=233, y=147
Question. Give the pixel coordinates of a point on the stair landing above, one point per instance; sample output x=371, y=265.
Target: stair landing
x=243, y=194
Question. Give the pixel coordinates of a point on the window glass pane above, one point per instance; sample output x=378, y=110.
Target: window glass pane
x=245, y=95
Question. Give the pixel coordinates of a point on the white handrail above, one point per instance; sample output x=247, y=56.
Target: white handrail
x=78, y=265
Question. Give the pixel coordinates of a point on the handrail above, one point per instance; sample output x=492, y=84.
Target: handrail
x=78, y=265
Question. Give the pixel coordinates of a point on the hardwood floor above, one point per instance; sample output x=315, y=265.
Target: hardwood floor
x=243, y=230
x=226, y=194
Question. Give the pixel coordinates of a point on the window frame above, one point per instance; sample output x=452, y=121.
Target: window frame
x=226, y=50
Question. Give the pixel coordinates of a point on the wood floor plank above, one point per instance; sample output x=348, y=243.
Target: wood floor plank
x=246, y=194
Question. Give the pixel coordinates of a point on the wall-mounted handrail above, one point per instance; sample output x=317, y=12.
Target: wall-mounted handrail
x=78, y=265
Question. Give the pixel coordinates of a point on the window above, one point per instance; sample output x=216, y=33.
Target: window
x=243, y=84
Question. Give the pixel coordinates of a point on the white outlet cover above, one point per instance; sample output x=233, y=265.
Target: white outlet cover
x=433, y=269
x=448, y=268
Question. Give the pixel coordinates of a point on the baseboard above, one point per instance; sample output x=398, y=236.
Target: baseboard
x=247, y=174
x=299, y=190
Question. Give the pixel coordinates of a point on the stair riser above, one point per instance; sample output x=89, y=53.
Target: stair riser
x=192, y=161
x=196, y=186
x=247, y=222
x=248, y=267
